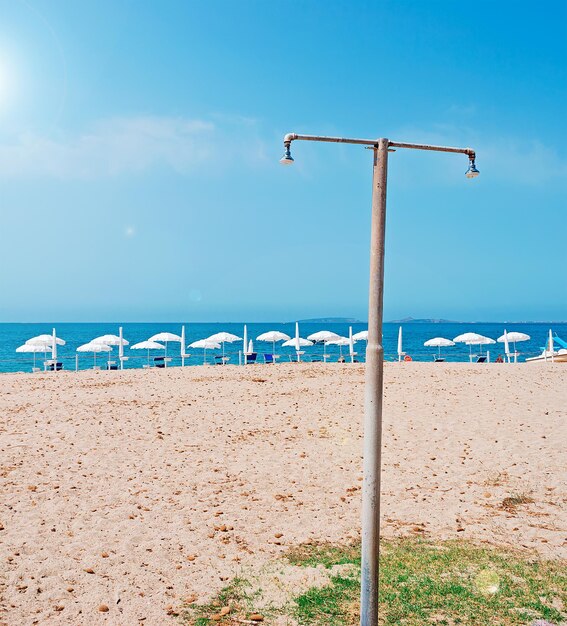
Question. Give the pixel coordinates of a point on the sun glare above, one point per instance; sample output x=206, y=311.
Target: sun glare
x=4, y=84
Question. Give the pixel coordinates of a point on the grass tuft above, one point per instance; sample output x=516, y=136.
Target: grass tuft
x=511, y=503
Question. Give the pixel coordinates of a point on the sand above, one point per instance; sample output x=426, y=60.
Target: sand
x=138, y=489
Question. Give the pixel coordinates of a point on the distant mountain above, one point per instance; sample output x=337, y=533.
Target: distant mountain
x=423, y=320
x=331, y=320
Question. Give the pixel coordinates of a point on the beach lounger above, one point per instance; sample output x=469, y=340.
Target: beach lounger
x=481, y=359
x=53, y=367
x=439, y=360
x=111, y=365
x=221, y=360
x=159, y=361
x=269, y=358
x=250, y=358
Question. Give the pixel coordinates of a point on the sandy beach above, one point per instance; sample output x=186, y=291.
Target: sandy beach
x=134, y=490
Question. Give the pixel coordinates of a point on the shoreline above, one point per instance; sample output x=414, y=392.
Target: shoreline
x=285, y=364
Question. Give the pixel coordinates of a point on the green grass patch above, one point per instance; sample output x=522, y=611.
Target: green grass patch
x=444, y=583
x=233, y=603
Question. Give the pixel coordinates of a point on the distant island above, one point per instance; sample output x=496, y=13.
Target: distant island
x=423, y=320
x=331, y=320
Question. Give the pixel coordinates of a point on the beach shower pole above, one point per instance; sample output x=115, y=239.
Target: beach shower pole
x=372, y=447
x=372, y=425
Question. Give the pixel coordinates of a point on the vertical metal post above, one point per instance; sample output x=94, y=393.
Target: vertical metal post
x=373, y=395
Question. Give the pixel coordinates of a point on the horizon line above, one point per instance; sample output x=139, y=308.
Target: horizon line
x=311, y=320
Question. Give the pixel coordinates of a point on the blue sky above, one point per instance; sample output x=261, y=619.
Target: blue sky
x=139, y=147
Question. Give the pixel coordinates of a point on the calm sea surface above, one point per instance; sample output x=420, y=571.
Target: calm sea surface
x=414, y=335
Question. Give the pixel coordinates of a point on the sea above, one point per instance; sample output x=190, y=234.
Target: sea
x=414, y=335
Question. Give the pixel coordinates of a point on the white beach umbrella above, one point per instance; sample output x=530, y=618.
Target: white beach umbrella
x=94, y=348
x=473, y=339
x=245, y=342
x=250, y=347
x=51, y=340
x=322, y=337
x=439, y=342
x=42, y=343
x=147, y=345
x=205, y=344
x=110, y=340
x=514, y=337
x=113, y=340
x=507, y=346
x=165, y=338
x=273, y=336
x=182, y=346
x=54, y=349
x=48, y=339
x=340, y=341
x=351, y=341
x=484, y=342
x=400, y=347
x=121, y=345
x=293, y=343
x=34, y=348
x=223, y=338
x=297, y=342
x=361, y=336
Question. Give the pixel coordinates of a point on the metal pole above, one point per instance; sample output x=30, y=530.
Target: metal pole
x=373, y=396
x=375, y=356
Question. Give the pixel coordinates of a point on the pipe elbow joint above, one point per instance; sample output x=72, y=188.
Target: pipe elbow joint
x=289, y=138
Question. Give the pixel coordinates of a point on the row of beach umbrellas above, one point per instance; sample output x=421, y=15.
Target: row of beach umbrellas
x=104, y=344
x=474, y=339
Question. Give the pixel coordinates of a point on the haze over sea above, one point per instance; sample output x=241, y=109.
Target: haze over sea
x=13, y=335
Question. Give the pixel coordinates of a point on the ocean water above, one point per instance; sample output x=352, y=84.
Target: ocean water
x=414, y=335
